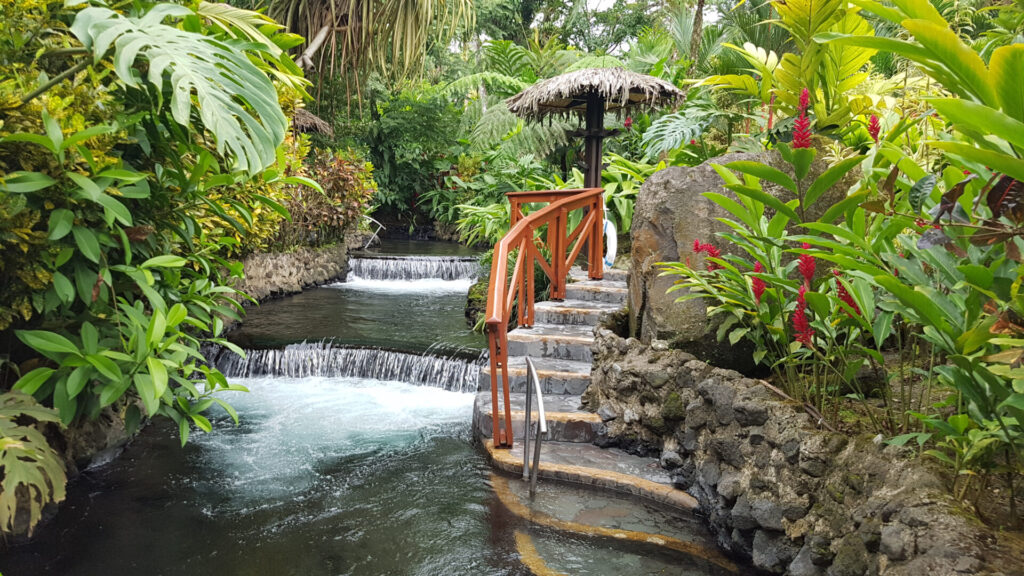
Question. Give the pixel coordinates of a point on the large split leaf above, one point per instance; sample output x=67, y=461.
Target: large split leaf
x=236, y=101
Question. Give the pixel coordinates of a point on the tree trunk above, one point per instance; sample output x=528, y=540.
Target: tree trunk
x=696, y=34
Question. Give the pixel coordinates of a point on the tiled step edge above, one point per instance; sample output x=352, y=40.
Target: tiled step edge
x=515, y=505
x=603, y=479
x=562, y=426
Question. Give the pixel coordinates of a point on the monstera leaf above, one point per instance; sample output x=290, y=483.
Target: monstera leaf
x=236, y=101
x=27, y=462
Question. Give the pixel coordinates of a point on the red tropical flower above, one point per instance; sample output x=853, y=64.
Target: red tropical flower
x=628, y=123
x=874, y=127
x=806, y=265
x=708, y=249
x=802, y=126
x=803, y=333
x=757, y=285
x=844, y=295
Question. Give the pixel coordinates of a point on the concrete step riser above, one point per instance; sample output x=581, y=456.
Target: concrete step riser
x=548, y=385
x=550, y=348
x=609, y=274
x=587, y=318
x=591, y=295
x=572, y=431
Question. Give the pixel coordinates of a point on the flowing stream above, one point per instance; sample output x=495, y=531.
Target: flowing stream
x=353, y=457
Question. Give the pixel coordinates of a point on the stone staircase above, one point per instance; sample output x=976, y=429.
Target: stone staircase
x=559, y=344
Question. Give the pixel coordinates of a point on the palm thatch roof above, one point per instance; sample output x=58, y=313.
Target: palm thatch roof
x=305, y=121
x=566, y=94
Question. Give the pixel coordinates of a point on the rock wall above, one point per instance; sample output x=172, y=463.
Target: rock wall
x=775, y=489
x=281, y=273
x=670, y=213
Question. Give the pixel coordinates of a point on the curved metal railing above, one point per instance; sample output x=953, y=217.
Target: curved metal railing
x=533, y=387
x=530, y=236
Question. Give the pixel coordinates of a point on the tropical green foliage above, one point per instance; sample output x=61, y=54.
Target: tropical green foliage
x=925, y=250
x=138, y=151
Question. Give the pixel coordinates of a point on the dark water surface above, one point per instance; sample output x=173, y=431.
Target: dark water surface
x=409, y=316
x=323, y=477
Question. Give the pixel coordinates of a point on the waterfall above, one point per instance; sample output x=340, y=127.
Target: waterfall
x=452, y=371
x=413, y=267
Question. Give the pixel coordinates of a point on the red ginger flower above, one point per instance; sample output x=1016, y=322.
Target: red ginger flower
x=874, y=127
x=806, y=265
x=708, y=249
x=844, y=295
x=803, y=333
x=802, y=126
x=628, y=123
x=757, y=285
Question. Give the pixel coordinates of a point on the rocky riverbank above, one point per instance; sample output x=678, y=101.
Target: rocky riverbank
x=775, y=488
x=275, y=274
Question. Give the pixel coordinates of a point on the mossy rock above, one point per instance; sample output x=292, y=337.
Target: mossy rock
x=673, y=409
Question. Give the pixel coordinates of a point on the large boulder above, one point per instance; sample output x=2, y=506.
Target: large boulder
x=670, y=213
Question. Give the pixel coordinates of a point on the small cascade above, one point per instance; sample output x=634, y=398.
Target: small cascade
x=413, y=268
x=453, y=371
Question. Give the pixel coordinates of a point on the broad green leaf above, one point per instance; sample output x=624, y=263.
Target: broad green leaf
x=165, y=261
x=961, y=60
x=44, y=341
x=764, y=172
x=236, y=101
x=31, y=382
x=87, y=243
x=1009, y=165
x=1006, y=69
x=147, y=392
x=918, y=301
x=22, y=182
x=159, y=373
x=89, y=189
x=830, y=178
x=115, y=209
x=981, y=118
x=766, y=199
x=77, y=380
x=65, y=290
x=61, y=221
x=106, y=367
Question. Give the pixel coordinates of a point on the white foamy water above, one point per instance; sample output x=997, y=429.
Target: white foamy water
x=296, y=432
x=434, y=285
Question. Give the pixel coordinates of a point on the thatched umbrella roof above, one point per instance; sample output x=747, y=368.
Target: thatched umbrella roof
x=305, y=121
x=566, y=94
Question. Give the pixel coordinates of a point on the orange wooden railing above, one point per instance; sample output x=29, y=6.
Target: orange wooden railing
x=528, y=237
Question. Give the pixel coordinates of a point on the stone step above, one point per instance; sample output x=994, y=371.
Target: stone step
x=608, y=291
x=605, y=468
x=573, y=312
x=566, y=420
x=664, y=540
x=556, y=376
x=547, y=553
x=616, y=274
x=564, y=342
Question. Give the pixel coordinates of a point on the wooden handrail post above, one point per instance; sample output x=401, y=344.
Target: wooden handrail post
x=595, y=264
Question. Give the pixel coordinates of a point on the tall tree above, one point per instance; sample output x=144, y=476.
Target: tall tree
x=353, y=37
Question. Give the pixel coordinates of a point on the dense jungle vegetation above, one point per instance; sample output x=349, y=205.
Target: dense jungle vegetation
x=145, y=148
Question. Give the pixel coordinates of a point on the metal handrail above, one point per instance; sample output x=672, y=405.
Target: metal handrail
x=379, y=228
x=505, y=290
x=533, y=384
